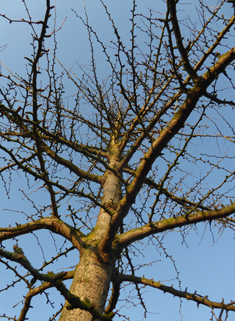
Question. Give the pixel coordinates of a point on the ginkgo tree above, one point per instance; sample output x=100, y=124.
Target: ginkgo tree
x=115, y=166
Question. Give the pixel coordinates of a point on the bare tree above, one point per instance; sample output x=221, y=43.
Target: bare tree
x=130, y=135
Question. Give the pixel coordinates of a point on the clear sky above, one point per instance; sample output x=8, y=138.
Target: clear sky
x=205, y=261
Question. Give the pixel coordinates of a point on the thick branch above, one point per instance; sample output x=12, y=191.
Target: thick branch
x=182, y=294
x=53, y=224
x=171, y=223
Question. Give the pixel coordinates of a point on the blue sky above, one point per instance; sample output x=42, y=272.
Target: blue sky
x=204, y=265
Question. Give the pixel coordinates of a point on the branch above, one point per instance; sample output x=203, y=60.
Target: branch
x=170, y=130
x=13, y=116
x=71, y=166
x=145, y=108
x=47, y=181
x=53, y=224
x=219, y=101
x=182, y=294
x=22, y=20
x=115, y=292
x=171, y=223
x=55, y=279
x=179, y=200
x=171, y=4
x=38, y=290
x=215, y=44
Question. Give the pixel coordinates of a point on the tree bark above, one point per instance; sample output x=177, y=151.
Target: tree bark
x=91, y=282
x=94, y=271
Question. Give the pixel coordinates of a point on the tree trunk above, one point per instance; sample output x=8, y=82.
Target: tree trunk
x=91, y=281
x=93, y=275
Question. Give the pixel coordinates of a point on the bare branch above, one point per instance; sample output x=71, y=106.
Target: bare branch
x=181, y=294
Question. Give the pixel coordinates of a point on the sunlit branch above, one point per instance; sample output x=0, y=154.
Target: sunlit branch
x=197, y=66
x=22, y=20
x=71, y=166
x=181, y=294
x=172, y=223
x=53, y=224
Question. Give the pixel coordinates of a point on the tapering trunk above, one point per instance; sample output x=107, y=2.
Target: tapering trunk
x=93, y=275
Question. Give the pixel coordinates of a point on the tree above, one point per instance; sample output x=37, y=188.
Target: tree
x=129, y=135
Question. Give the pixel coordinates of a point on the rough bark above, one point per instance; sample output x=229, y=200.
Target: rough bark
x=91, y=283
